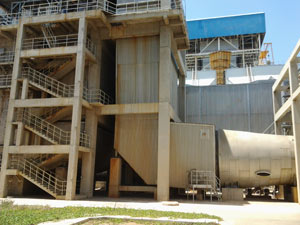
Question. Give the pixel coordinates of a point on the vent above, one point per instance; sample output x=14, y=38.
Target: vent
x=263, y=173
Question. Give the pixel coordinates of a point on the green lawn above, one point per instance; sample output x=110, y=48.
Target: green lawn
x=27, y=215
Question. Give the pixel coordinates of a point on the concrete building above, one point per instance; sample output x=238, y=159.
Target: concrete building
x=97, y=88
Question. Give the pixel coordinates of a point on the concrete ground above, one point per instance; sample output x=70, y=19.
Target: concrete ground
x=237, y=213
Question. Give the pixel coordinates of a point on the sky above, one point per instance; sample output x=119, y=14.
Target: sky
x=282, y=19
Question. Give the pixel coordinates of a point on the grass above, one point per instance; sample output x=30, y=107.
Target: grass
x=27, y=215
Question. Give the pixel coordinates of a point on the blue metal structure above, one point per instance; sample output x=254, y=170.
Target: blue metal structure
x=227, y=26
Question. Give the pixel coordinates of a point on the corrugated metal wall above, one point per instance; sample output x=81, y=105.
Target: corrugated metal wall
x=244, y=107
x=137, y=70
x=192, y=147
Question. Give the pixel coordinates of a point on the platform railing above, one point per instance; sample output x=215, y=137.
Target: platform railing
x=5, y=81
x=57, y=41
x=8, y=56
x=69, y=6
x=97, y=96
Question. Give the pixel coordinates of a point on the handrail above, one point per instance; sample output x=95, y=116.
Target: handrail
x=39, y=175
x=63, y=90
x=5, y=81
x=54, y=86
x=8, y=56
x=96, y=96
x=56, y=134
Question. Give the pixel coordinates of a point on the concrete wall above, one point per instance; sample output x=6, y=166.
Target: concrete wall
x=243, y=107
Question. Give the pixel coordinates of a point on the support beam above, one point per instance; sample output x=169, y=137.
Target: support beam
x=39, y=149
x=49, y=102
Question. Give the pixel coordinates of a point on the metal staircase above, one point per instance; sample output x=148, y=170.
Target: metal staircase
x=47, y=84
x=38, y=176
x=205, y=180
x=48, y=131
x=48, y=34
x=60, y=90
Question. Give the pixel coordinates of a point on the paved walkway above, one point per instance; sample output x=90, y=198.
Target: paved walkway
x=236, y=213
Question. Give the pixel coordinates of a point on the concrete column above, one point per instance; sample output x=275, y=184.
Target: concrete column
x=8, y=138
x=165, y=64
x=296, y=131
x=77, y=110
x=91, y=123
x=88, y=159
x=114, y=177
x=163, y=153
x=25, y=86
x=163, y=148
x=293, y=76
x=20, y=134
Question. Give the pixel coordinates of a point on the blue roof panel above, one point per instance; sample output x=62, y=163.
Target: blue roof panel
x=227, y=26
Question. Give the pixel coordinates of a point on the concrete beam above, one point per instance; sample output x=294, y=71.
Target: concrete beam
x=138, y=188
x=123, y=109
x=39, y=149
x=45, y=102
x=49, y=52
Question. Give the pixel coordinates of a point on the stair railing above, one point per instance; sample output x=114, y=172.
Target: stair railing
x=39, y=175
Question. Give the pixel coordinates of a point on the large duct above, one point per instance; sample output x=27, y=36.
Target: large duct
x=255, y=160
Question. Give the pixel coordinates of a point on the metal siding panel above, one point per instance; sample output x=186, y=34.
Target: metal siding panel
x=137, y=70
x=227, y=26
x=227, y=106
x=190, y=149
x=136, y=142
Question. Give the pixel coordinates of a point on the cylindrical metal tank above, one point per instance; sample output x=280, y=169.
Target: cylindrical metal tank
x=255, y=160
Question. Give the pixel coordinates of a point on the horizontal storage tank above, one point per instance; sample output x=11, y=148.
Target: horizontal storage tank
x=255, y=160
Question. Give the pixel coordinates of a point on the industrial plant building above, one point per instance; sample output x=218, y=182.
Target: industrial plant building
x=128, y=96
